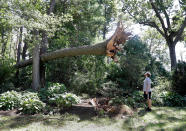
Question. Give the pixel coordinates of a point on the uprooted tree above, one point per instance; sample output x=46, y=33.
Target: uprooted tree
x=108, y=47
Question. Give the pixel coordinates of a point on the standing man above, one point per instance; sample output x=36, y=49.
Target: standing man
x=147, y=90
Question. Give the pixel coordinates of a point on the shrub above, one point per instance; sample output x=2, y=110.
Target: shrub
x=51, y=91
x=6, y=74
x=133, y=100
x=56, y=88
x=64, y=100
x=31, y=103
x=10, y=100
x=179, y=79
x=172, y=99
x=116, y=101
x=167, y=98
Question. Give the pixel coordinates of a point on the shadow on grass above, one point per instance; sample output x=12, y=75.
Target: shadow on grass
x=161, y=118
x=84, y=113
x=88, y=114
x=23, y=121
x=75, y=114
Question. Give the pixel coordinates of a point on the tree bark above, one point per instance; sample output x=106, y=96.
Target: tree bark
x=172, y=55
x=43, y=50
x=3, y=43
x=19, y=45
x=36, y=69
x=108, y=47
x=52, y=5
x=164, y=28
x=44, y=45
x=104, y=31
x=25, y=47
x=19, y=50
x=97, y=49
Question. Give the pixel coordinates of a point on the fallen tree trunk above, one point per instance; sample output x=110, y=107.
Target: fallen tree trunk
x=108, y=47
x=98, y=49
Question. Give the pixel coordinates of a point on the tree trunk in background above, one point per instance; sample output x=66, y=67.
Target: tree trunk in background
x=3, y=44
x=19, y=45
x=19, y=50
x=36, y=69
x=52, y=5
x=104, y=32
x=172, y=55
x=44, y=45
x=105, y=25
x=25, y=47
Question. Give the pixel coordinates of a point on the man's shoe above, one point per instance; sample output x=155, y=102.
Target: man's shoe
x=148, y=109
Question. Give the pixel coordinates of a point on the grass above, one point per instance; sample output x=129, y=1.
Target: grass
x=161, y=118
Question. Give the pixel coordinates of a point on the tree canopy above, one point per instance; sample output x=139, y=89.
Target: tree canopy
x=166, y=17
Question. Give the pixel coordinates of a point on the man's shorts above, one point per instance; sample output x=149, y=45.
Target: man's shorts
x=147, y=96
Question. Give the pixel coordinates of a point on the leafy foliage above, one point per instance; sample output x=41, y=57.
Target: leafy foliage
x=129, y=73
x=10, y=100
x=64, y=100
x=6, y=75
x=51, y=90
x=163, y=95
x=31, y=104
x=56, y=95
x=179, y=79
x=28, y=103
x=162, y=16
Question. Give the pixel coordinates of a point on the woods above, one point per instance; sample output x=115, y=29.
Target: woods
x=85, y=60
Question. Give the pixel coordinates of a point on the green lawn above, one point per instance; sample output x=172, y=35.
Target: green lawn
x=161, y=118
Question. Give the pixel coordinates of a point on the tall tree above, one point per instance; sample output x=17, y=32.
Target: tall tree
x=168, y=20
x=109, y=12
x=44, y=44
x=157, y=45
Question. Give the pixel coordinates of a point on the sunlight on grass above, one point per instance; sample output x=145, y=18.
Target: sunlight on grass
x=161, y=118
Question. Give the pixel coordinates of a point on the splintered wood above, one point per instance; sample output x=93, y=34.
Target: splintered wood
x=103, y=104
x=119, y=37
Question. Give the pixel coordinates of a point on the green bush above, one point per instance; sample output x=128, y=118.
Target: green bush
x=31, y=103
x=56, y=95
x=56, y=88
x=51, y=90
x=172, y=99
x=28, y=103
x=179, y=79
x=10, y=100
x=64, y=100
x=116, y=101
x=6, y=75
x=135, y=99
x=167, y=98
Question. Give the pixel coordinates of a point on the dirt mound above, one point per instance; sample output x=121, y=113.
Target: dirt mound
x=102, y=104
x=120, y=110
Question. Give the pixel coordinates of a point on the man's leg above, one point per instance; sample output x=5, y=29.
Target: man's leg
x=145, y=99
x=149, y=102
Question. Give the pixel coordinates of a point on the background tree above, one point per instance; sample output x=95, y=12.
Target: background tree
x=156, y=45
x=109, y=9
x=167, y=19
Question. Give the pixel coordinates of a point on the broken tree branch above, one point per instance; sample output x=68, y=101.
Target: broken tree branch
x=104, y=48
